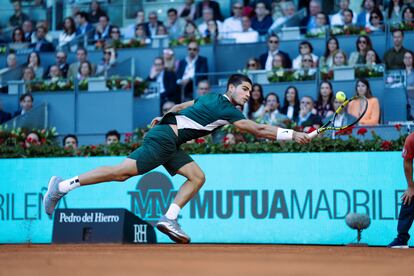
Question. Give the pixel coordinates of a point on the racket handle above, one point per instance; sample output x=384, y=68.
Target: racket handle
x=313, y=134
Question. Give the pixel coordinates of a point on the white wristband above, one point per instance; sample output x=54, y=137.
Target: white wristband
x=284, y=134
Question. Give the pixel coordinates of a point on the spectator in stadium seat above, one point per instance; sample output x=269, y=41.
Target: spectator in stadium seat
x=212, y=31
x=60, y=62
x=363, y=45
x=68, y=33
x=108, y=61
x=263, y=20
x=339, y=59
x=175, y=24
x=306, y=119
x=288, y=10
x=41, y=44
x=11, y=63
x=170, y=63
x=84, y=71
x=4, y=116
x=309, y=22
x=322, y=24
x=348, y=18
x=203, y=27
x=291, y=103
x=28, y=30
x=115, y=35
x=166, y=107
x=95, y=12
x=372, y=58
x=215, y=6
x=372, y=116
x=271, y=114
x=408, y=15
x=141, y=34
x=26, y=104
x=233, y=24
x=152, y=24
x=28, y=74
x=166, y=80
x=190, y=66
x=255, y=108
x=409, y=66
x=253, y=64
x=32, y=139
x=308, y=67
x=363, y=18
x=44, y=24
x=129, y=31
x=203, y=88
x=273, y=48
x=305, y=47
x=83, y=26
x=190, y=31
x=17, y=19
x=247, y=34
x=393, y=58
x=187, y=11
x=161, y=31
x=112, y=137
x=279, y=62
x=394, y=11
x=324, y=104
x=18, y=36
x=81, y=56
x=54, y=72
x=70, y=141
x=339, y=17
x=376, y=20
x=103, y=28
x=332, y=45
x=33, y=61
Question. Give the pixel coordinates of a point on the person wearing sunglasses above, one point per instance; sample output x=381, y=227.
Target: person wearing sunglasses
x=189, y=67
x=273, y=49
x=108, y=61
x=363, y=45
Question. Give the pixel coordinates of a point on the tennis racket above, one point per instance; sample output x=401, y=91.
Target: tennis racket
x=330, y=124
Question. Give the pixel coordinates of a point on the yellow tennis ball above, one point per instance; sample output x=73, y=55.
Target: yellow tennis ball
x=340, y=96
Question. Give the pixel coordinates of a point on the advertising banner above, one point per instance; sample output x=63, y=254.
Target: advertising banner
x=289, y=198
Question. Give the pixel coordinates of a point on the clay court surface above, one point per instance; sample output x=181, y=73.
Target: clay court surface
x=198, y=259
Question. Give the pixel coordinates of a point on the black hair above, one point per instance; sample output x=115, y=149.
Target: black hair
x=237, y=79
x=112, y=133
x=70, y=136
x=25, y=95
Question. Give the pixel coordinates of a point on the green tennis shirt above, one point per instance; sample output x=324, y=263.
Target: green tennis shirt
x=208, y=113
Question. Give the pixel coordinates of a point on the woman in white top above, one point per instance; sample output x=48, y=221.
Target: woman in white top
x=33, y=61
x=254, y=108
x=69, y=32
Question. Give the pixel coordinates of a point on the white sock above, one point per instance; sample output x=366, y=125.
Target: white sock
x=69, y=184
x=173, y=211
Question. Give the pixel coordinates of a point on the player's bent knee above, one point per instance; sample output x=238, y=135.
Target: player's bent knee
x=199, y=179
x=125, y=170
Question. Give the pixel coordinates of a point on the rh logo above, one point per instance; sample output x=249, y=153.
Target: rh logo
x=140, y=233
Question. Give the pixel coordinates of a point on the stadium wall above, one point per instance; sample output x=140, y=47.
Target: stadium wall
x=295, y=198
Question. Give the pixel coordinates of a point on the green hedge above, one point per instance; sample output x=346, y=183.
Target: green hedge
x=12, y=145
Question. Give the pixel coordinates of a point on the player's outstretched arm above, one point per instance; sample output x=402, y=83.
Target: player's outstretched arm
x=181, y=106
x=175, y=108
x=272, y=132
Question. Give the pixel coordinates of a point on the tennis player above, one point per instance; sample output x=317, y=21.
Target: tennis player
x=161, y=146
